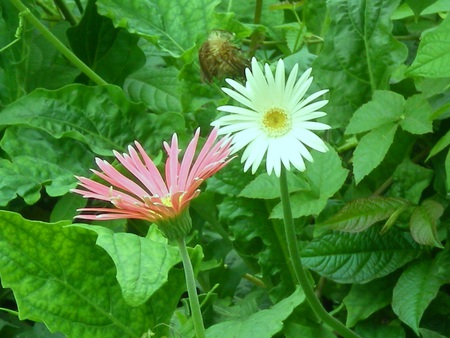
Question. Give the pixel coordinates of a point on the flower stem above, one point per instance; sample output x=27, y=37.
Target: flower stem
x=58, y=44
x=192, y=292
x=302, y=277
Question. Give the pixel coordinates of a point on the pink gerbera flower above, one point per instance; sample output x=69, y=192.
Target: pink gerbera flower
x=151, y=197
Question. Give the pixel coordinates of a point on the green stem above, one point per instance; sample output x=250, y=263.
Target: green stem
x=66, y=12
x=58, y=44
x=192, y=292
x=300, y=272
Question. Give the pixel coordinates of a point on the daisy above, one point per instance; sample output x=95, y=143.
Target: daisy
x=151, y=197
x=276, y=121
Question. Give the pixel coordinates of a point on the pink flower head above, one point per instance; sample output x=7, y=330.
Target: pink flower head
x=151, y=197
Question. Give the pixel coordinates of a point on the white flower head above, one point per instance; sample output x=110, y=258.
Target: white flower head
x=276, y=119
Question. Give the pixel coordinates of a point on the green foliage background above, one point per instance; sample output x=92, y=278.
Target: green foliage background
x=372, y=214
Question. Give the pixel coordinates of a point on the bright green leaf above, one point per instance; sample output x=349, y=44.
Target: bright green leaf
x=102, y=117
x=325, y=177
x=417, y=116
x=360, y=214
x=433, y=55
x=267, y=186
x=372, y=149
x=423, y=223
x=142, y=264
x=264, y=323
x=174, y=28
x=374, y=113
x=416, y=288
x=37, y=161
x=365, y=299
x=419, y=5
x=61, y=277
x=157, y=88
x=359, y=258
x=358, y=56
x=440, y=145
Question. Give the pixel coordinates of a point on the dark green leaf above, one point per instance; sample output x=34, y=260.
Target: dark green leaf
x=361, y=257
x=416, y=288
x=359, y=54
x=419, y=5
x=264, y=323
x=365, y=299
x=360, y=214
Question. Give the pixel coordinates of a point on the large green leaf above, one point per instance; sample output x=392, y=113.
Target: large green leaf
x=61, y=277
x=359, y=54
x=365, y=299
x=110, y=52
x=418, y=286
x=174, y=27
x=325, y=177
x=142, y=264
x=433, y=56
x=360, y=214
x=101, y=117
x=423, y=223
x=361, y=257
x=37, y=161
x=157, y=87
x=264, y=323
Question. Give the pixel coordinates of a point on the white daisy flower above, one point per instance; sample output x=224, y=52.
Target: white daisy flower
x=276, y=120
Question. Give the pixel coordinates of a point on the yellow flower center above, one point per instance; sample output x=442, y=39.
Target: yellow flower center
x=166, y=200
x=276, y=122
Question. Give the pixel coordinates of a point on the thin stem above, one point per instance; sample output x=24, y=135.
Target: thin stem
x=192, y=292
x=58, y=44
x=66, y=12
x=300, y=272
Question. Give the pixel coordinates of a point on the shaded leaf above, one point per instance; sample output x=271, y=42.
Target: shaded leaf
x=360, y=214
x=440, y=145
x=264, y=323
x=361, y=257
x=416, y=288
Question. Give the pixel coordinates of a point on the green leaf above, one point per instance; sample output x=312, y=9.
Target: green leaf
x=423, y=223
x=419, y=5
x=173, y=27
x=410, y=180
x=374, y=113
x=264, y=323
x=362, y=213
x=267, y=186
x=110, y=52
x=325, y=177
x=447, y=171
x=358, y=56
x=372, y=149
x=361, y=257
x=416, y=288
x=37, y=161
x=433, y=55
x=61, y=277
x=440, y=145
x=142, y=264
x=102, y=117
x=157, y=88
x=417, y=116
x=373, y=329
x=365, y=299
